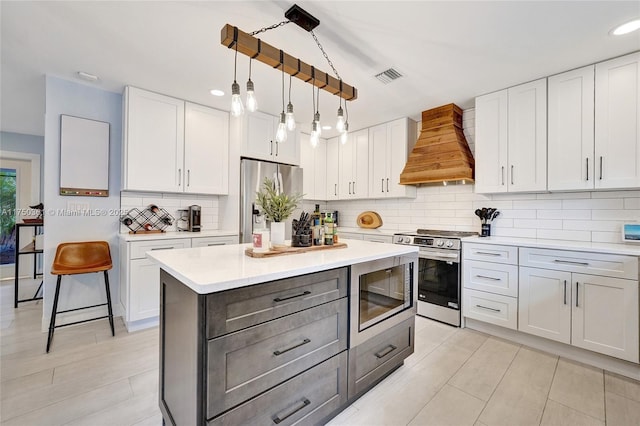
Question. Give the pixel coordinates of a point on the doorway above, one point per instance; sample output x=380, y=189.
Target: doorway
x=20, y=187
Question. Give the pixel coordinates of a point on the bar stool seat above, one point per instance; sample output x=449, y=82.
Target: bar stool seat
x=81, y=258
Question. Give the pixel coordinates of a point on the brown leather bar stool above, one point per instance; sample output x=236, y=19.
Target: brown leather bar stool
x=80, y=258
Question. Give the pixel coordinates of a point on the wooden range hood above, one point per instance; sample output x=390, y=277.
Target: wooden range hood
x=441, y=153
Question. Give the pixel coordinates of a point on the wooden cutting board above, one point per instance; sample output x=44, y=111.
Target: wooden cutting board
x=369, y=220
x=291, y=250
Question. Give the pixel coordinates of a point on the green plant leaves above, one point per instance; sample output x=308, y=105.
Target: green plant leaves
x=276, y=207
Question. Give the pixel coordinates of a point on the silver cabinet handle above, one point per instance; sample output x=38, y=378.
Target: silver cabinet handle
x=577, y=293
x=278, y=419
x=271, y=148
x=349, y=188
x=502, y=173
x=487, y=308
x=188, y=177
x=569, y=262
x=282, y=299
x=484, y=253
x=565, y=292
x=600, y=167
x=335, y=189
x=162, y=248
x=387, y=184
x=512, y=174
x=489, y=278
x=277, y=148
x=215, y=244
x=179, y=177
x=354, y=187
x=386, y=351
x=304, y=342
x=587, y=168
x=382, y=185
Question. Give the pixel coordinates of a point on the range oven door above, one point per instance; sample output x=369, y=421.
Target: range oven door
x=439, y=278
x=383, y=294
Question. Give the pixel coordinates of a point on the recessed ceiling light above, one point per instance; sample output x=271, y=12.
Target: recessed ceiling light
x=626, y=28
x=216, y=92
x=326, y=127
x=86, y=76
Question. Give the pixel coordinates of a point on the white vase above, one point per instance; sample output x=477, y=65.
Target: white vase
x=277, y=233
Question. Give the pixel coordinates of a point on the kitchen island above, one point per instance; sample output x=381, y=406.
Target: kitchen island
x=277, y=340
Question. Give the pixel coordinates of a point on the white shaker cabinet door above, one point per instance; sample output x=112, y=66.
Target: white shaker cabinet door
x=259, y=138
x=617, y=122
x=153, y=142
x=378, y=159
x=605, y=316
x=308, y=165
x=527, y=137
x=571, y=141
x=361, y=165
x=319, y=155
x=206, y=152
x=145, y=289
x=333, y=169
x=544, y=303
x=491, y=143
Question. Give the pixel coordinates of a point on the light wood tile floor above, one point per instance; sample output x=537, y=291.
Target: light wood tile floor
x=455, y=377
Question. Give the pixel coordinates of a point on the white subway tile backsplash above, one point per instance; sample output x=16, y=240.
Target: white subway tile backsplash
x=591, y=204
x=500, y=205
x=607, y=237
x=537, y=223
x=512, y=232
x=518, y=214
x=592, y=225
x=555, y=234
x=564, y=214
x=537, y=204
x=615, y=215
x=615, y=194
x=514, y=197
x=632, y=203
x=563, y=195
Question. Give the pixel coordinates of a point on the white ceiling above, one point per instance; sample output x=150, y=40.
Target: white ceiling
x=449, y=51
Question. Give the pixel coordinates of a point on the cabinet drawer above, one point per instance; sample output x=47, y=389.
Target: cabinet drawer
x=373, y=359
x=214, y=241
x=244, y=307
x=243, y=364
x=306, y=399
x=139, y=248
x=610, y=265
x=349, y=235
x=492, y=277
x=490, y=253
x=493, y=308
x=378, y=238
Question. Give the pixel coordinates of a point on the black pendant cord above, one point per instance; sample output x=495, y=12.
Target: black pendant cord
x=318, y=102
x=282, y=66
x=250, y=60
x=313, y=99
x=290, y=78
x=235, y=63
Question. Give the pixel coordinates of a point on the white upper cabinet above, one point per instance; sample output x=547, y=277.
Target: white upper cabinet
x=313, y=161
x=491, y=142
x=388, y=150
x=173, y=146
x=571, y=143
x=259, y=142
x=333, y=169
x=153, y=142
x=354, y=166
x=206, y=150
x=511, y=139
x=617, y=122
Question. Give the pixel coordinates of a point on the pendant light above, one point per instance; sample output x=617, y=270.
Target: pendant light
x=252, y=102
x=291, y=120
x=316, y=117
x=281, y=133
x=237, y=109
x=340, y=121
x=315, y=128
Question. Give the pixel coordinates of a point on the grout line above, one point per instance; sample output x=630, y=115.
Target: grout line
x=555, y=370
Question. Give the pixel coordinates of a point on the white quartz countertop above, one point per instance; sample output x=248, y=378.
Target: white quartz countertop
x=368, y=231
x=175, y=234
x=218, y=268
x=624, y=249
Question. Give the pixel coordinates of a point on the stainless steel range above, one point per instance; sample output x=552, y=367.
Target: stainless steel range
x=439, y=273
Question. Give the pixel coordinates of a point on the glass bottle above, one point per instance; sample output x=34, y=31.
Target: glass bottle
x=328, y=230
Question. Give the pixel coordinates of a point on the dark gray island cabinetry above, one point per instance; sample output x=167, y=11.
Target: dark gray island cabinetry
x=280, y=351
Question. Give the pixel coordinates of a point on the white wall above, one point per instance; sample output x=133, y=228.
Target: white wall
x=578, y=216
x=66, y=97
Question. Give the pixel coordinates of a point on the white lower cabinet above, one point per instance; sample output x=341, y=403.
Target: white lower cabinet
x=492, y=308
x=598, y=313
x=140, y=277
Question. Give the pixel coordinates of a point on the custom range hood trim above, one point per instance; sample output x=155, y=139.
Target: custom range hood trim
x=441, y=153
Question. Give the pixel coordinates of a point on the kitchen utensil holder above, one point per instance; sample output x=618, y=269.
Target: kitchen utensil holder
x=486, y=230
x=150, y=219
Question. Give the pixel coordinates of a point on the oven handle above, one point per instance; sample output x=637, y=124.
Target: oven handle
x=455, y=258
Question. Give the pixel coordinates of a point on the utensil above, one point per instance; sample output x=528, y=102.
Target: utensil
x=495, y=214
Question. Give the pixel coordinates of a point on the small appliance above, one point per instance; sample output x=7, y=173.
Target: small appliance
x=194, y=218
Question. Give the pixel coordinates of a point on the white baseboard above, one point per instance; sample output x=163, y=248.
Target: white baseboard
x=624, y=368
x=142, y=324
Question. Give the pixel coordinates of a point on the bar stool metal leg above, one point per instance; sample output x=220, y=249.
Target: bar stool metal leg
x=52, y=323
x=106, y=285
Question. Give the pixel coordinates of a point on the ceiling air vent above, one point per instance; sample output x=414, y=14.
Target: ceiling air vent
x=388, y=76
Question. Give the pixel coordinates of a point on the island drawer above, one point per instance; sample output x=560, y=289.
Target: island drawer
x=609, y=265
x=490, y=253
x=214, y=241
x=305, y=399
x=493, y=308
x=495, y=278
x=244, y=307
x=140, y=248
x=246, y=363
x=373, y=359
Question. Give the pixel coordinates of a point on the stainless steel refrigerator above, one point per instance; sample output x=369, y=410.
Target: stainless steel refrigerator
x=288, y=179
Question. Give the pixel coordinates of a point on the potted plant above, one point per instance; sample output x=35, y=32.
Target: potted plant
x=277, y=207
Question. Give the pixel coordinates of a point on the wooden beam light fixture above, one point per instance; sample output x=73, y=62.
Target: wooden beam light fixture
x=247, y=44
